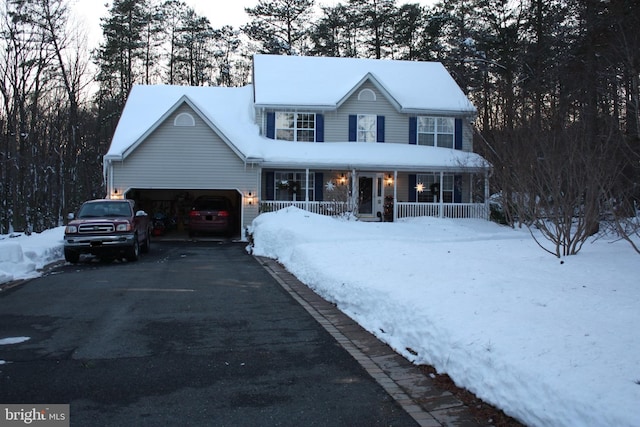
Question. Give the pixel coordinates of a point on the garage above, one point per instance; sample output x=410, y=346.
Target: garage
x=169, y=209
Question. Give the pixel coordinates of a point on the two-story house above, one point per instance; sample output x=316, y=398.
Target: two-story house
x=380, y=139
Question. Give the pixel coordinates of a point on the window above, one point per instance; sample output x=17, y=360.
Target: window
x=430, y=188
x=184, y=119
x=290, y=186
x=436, y=131
x=296, y=126
x=367, y=125
x=366, y=95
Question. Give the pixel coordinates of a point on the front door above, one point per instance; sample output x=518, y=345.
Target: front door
x=365, y=195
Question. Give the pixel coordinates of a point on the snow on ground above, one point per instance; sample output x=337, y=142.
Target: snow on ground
x=552, y=343
x=21, y=256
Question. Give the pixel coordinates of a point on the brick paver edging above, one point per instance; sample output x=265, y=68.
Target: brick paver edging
x=429, y=405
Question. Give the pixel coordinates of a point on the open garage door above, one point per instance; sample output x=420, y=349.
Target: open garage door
x=173, y=206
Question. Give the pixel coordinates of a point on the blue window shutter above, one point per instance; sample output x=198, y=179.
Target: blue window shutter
x=319, y=185
x=458, y=135
x=271, y=125
x=319, y=128
x=413, y=130
x=380, y=129
x=457, y=189
x=270, y=177
x=353, y=127
x=412, y=187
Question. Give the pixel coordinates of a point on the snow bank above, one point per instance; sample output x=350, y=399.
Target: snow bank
x=22, y=256
x=550, y=343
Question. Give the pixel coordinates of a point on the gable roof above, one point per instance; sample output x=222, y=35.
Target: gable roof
x=227, y=111
x=323, y=83
x=230, y=113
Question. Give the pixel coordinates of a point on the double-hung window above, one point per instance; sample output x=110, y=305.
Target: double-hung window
x=436, y=131
x=291, y=186
x=295, y=126
x=428, y=188
x=367, y=128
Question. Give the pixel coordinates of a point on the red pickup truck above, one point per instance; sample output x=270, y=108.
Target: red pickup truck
x=107, y=228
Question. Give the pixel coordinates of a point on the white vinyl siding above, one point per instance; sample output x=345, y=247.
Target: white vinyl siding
x=175, y=157
x=336, y=123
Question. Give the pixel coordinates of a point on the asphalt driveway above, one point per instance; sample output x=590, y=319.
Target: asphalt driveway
x=191, y=335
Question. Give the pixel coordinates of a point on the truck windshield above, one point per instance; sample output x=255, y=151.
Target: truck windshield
x=106, y=209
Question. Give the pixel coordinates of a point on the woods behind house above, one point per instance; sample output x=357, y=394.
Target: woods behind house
x=556, y=84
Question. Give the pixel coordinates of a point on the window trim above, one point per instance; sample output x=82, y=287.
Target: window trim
x=297, y=177
x=448, y=178
x=374, y=128
x=184, y=120
x=295, y=128
x=368, y=95
x=436, y=132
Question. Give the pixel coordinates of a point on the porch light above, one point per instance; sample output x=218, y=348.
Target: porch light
x=115, y=194
x=250, y=198
x=389, y=180
x=343, y=179
x=420, y=187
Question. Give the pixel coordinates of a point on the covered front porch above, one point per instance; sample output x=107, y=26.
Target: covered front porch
x=376, y=195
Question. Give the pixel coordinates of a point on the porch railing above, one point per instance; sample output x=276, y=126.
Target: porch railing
x=445, y=210
x=404, y=209
x=322, y=208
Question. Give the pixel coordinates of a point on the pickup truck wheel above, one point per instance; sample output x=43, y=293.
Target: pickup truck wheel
x=146, y=245
x=71, y=256
x=133, y=253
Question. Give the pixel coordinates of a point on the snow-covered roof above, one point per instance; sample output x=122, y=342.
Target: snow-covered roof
x=323, y=83
x=230, y=113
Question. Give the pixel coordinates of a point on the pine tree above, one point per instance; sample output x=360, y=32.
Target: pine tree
x=280, y=26
x=121, y=56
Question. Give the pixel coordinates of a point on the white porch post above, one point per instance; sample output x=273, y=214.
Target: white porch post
x=306, y=190
x=440, y=203
x=354, y=196
x=395, y=196
x=471, y=175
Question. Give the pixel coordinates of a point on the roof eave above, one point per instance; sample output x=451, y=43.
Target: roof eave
x=440, y=112
x=373, y=167
x=313, y=107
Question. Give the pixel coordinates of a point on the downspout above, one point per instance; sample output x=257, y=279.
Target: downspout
x=109, y=178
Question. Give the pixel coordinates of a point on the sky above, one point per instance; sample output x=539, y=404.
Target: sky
x=219, y=12
x=551, y=342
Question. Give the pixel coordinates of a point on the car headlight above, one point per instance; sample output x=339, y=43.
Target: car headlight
x=123, y=227
x=71, y=229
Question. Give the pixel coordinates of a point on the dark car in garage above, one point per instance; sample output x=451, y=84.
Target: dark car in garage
x=211, y=214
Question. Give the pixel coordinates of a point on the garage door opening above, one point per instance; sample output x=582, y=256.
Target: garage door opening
x=172, y=207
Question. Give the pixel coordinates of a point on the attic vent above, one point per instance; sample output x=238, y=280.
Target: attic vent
x=184, y=119
x=366, y=95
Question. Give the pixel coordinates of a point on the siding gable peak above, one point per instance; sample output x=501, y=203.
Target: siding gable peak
x=371, y=78
x=184, y=99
